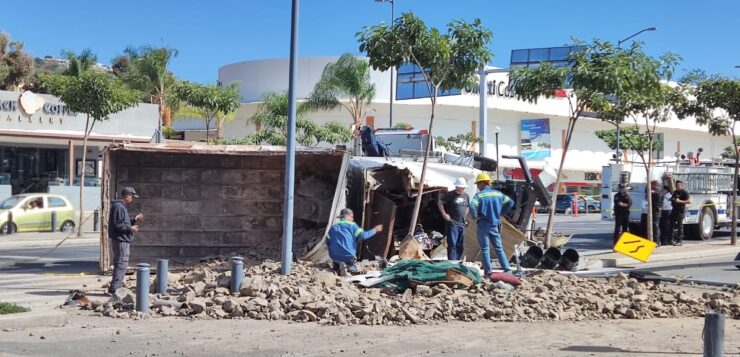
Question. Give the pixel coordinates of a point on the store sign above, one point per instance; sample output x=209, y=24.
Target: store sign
x=29, y=104
x=535, y=138
x=592, y=176
x=496, y=88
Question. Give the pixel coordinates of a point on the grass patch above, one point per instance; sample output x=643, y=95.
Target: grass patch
x=9, y=308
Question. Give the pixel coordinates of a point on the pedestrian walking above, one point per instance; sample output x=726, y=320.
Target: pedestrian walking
x=454, y=207
x=679, y=200
x=622, y=205
x=121, y=229
x=657, y=199
x=487, y=206
x=342, y=241
x=666, y=229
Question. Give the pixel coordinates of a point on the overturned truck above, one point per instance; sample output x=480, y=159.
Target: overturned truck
x=202, y=201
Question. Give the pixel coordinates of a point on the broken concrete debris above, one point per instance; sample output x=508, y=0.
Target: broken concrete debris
x=312, y=293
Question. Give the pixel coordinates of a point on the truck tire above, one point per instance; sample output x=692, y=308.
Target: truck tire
x=705, y=229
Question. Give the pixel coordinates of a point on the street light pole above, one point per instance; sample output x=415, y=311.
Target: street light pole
x=392, y=69
x=497, y=130
x=287, y=256
x=619, y=44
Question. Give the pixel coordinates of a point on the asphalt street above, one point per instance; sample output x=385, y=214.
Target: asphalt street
x=36, y=253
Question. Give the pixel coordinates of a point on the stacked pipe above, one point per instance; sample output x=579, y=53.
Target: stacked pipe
x=550, y=259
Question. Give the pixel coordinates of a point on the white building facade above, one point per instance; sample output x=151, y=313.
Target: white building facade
x=533, y=130
x=41, y=144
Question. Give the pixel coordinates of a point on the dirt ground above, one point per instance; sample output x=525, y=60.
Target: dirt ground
x=87, y=335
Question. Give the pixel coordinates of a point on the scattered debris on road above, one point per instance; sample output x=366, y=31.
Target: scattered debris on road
x=313, y=293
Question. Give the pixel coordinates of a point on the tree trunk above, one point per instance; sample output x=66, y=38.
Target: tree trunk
x=649, y=190
x=556, y=190
x=733, y=205
x=417, y=204
x=82, y=173
x=208, y=130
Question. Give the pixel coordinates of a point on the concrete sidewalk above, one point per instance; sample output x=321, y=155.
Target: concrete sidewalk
x=692, y=250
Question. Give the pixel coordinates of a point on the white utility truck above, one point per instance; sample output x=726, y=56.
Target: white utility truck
x=708, y=183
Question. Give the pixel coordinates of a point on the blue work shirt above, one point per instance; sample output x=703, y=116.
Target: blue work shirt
x=342, y=240
x=488, y=205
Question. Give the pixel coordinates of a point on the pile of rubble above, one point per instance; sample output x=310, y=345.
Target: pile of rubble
x=313, y=293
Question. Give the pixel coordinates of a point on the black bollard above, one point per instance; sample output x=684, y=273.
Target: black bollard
x=96, y=221
x=714, y=334
x=53, y=221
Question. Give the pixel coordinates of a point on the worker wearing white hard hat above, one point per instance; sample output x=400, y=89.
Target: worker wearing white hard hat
x=454, y=209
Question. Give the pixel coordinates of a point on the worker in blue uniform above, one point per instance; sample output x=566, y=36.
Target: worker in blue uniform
x=342, y=241
x=487, y=207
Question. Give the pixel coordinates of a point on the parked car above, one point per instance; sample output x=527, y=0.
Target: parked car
x=564, y=204
x=32, y=213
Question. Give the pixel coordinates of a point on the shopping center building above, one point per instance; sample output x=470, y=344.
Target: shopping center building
x=533, y=130
x=41, y=144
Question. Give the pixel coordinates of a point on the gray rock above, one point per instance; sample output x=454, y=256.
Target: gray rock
x=253, y=285
x=422, y=290
x=199, y=287
x=228, y=306
x=324, y=278
x=197, y=306
x=124, y=295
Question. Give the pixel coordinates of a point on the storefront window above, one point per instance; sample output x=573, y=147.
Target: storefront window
x=29, y=169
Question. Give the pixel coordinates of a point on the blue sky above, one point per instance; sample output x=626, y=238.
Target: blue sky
x=210, y=34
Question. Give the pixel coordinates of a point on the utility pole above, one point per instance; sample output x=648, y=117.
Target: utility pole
x=287, y=256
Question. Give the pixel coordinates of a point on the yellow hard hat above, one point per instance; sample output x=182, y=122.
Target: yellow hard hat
x=482, y=177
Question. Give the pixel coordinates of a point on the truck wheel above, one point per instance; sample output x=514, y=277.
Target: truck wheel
x=705, y=228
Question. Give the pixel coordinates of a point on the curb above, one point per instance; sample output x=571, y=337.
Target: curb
x=593, y=263
x=30, y=319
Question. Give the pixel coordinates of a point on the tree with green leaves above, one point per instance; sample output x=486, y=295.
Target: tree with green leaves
x=630, y=138
x=347, y=79
x=459, y=144
x=96, y=95
x=16, y=66
x=209, y=102
x=598, y=73
x=730, y=152
x=715, y=102
x=446, y=61
x=79, y=63
x=146, y=69
x=271, y=120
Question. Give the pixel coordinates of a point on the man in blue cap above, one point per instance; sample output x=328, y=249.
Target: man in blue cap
x=121, y=229
x=342, y=241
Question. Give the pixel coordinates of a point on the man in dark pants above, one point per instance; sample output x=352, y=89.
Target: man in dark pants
x=622, y=204
x=679, y=199
x=657, y=200
x=666, y=229
x=454, y=209
x=121, y=229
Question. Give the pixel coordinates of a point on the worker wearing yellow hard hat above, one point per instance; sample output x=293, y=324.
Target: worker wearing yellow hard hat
x=483, y=177
x=487, y=206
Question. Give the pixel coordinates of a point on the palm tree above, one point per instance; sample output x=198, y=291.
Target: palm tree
x=344, y=83
x=78, y=64
x=145, y=69
x=271, y=120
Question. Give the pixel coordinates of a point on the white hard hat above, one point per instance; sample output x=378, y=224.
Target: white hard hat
x=460, y=182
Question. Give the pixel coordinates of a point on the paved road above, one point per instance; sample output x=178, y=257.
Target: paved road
x=35, y=253
x=591, y=233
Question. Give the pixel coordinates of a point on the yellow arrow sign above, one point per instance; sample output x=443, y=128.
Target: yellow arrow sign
x=634, y=247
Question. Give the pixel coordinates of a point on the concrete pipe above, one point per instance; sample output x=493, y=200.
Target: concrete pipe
x=551, y=258
x=569, y=260
x=532, y=257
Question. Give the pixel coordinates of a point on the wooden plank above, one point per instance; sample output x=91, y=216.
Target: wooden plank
x=383, y=212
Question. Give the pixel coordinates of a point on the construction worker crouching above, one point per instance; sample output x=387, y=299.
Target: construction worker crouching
x=487, y=206
x=342, y=241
